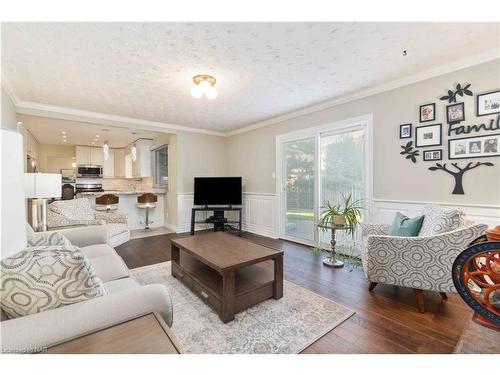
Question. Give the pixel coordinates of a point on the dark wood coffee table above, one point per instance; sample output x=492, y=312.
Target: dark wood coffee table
x=229, y=273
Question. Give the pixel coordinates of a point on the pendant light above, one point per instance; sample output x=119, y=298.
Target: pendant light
x=105, y=149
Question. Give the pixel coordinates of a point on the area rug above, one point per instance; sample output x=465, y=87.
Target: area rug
x=285, y=326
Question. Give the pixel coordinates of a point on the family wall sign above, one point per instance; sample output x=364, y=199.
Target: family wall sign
x=463, y=140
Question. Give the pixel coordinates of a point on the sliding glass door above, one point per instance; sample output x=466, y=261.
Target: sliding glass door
x=342, y=175
x=298, y=188
x=318, y=166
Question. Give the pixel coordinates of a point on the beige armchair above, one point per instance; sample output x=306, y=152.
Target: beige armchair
x=79, y=212
x=423, y=262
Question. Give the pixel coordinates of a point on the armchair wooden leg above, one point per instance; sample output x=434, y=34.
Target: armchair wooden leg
x=443, y=295
x=372, y=286
x=420, y=300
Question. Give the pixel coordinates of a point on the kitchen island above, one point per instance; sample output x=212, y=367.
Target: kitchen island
x=128, y=205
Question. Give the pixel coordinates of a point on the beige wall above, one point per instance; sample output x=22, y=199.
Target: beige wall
x=253, y=153
x=53, y=158
x=199, y=155
x=9, y=120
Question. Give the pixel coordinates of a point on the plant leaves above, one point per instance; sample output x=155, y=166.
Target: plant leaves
x=446, y=97
x=459, y=87
x=461, y=93
x=439, y=165
x=466, y=86
x=433, y=168
x=409, y=156
x=413, y=159
x=488, y=164
x=451, y=100
x=409, y=144
x=450, y=93
x=468, y=92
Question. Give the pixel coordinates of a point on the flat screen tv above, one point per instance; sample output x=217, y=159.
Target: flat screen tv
x=217, y=191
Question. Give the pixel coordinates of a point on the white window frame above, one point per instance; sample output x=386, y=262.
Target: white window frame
x=364, y=122
x=153, y=165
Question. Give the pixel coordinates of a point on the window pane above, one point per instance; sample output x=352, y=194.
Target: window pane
x=161, y=166
x=342, y=169
x=298, y=160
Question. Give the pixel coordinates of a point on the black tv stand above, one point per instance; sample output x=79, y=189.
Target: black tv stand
x=217, y=219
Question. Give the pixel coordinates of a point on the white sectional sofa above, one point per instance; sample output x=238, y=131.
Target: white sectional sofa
x=126, y=299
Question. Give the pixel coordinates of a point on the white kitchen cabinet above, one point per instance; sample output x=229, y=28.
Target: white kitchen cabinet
x=86, y=155
x=83, y=155
x=141, y=167
x=109, y=165
x=96, y=156
x=31, y=144
x=119, y=161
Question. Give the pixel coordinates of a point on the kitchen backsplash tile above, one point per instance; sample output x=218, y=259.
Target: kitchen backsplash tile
x=128, y=184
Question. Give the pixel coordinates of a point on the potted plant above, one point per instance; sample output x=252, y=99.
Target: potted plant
x=345, y=215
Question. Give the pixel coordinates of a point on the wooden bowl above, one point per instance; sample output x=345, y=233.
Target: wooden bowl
x=493, y=234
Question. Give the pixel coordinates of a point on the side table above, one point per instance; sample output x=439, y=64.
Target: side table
x=332, y=261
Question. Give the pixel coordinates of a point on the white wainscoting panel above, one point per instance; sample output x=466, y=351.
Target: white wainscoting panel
x=258, y=214
x=383, y=211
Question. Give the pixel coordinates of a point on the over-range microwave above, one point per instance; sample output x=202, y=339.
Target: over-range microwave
x=89, y=171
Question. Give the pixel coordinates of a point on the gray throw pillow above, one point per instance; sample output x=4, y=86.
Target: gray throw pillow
x=45, y=278
x=441, y=220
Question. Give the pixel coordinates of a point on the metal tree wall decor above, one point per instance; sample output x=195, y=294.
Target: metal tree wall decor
x=452, y=95
x=410, y=152
x=459, y=173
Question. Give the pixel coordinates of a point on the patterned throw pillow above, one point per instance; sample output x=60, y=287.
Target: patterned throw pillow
x=441, y=220
x=48, y=239
x=45, y=278
x=74, y=209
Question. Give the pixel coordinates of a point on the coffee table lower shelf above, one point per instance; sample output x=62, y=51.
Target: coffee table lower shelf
x=230, y=293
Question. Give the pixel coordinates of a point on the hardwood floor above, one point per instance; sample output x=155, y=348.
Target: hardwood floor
x=387, y=319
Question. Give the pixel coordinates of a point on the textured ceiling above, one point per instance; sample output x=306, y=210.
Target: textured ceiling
x=263, y=69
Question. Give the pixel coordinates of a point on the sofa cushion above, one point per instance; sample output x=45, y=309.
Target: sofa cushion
x=47, y=239
x=403, y=226
x=441, y=220
x=110, y=267
x=120, y=285
x=74, y=209
x=99, y=250
x=45, y=278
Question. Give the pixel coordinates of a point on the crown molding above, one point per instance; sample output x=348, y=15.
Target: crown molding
x=47, y=110
x=487, y=56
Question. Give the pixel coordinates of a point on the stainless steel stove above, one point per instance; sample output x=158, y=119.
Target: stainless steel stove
x=88, y=188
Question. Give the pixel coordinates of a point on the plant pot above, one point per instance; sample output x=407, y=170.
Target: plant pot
x=338, y=220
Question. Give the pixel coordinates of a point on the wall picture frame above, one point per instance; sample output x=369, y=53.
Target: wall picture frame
x=488, y=103
x=433, y=155
x=427, y=112
x=455, y=113
x=482, y=146
x=428, y=135
x=405, y=131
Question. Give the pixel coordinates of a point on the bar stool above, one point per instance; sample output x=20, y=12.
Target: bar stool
x=107, y=202
x=147, y=201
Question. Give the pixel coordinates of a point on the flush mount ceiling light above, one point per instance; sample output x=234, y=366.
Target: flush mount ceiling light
x=204, y=85
x=105, y=149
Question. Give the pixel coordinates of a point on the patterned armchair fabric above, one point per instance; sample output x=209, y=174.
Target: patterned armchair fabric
x=422, y=262
x=79, y=212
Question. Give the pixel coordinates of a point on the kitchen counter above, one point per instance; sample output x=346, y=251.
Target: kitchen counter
x=119, y=192
x=128, y=205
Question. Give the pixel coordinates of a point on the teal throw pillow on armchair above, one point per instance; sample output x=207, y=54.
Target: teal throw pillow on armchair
x=403, y=226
